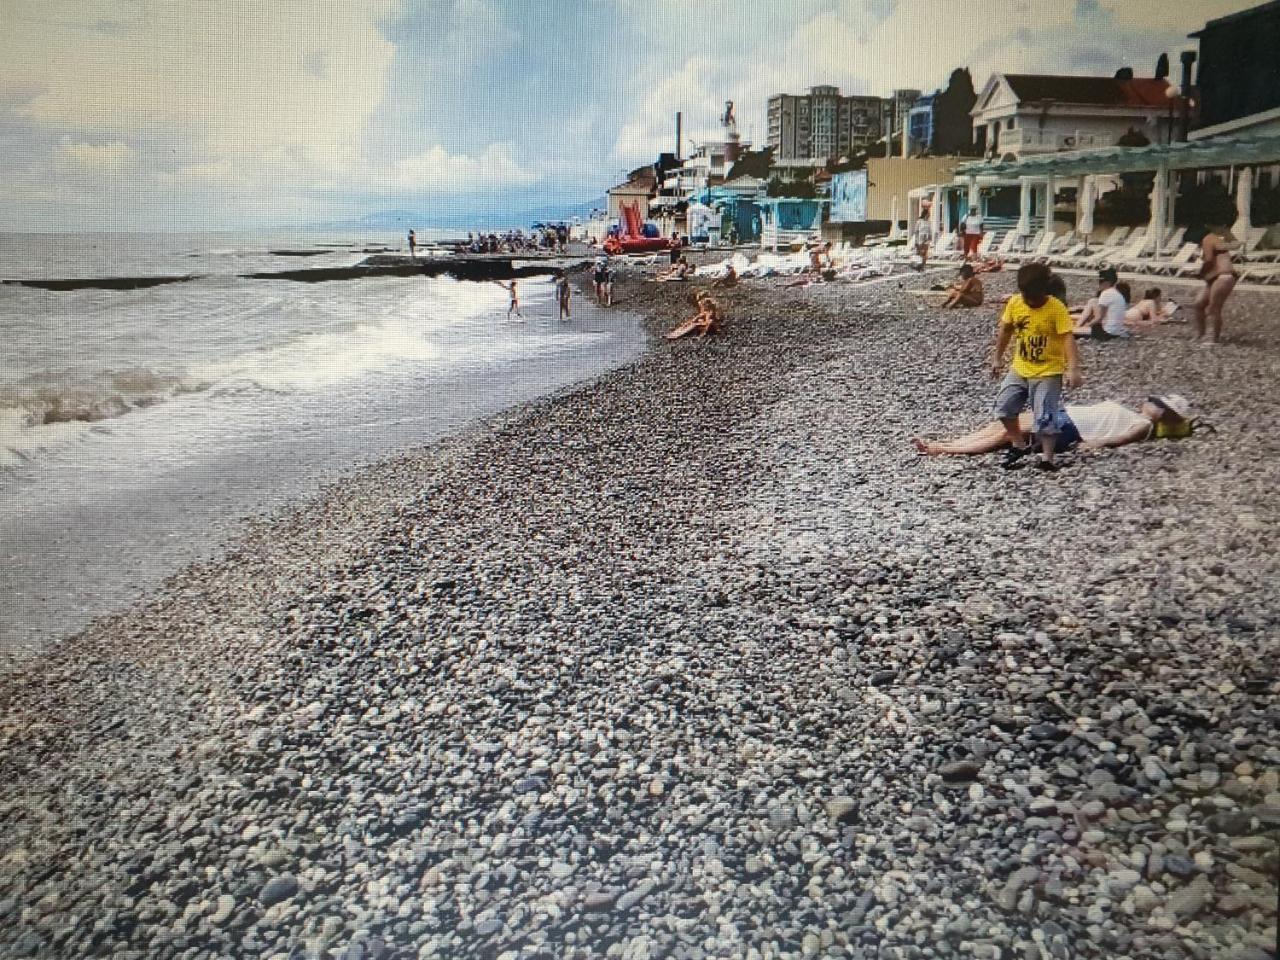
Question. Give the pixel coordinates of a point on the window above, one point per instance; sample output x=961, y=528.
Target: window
x=1009, y=125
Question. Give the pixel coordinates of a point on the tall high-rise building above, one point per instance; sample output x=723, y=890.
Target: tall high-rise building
x=822, y=123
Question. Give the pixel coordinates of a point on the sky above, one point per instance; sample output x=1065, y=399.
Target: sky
x=191, y=114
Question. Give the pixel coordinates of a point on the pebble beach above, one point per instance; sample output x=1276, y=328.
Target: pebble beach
x=700, y=659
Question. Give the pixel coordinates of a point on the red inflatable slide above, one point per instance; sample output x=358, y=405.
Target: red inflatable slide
x=632, y=238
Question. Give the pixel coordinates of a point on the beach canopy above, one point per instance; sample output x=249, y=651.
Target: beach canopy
x=1193, y=155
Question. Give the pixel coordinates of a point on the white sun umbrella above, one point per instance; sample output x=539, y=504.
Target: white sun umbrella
x=1244, y=200
x=1086, y=202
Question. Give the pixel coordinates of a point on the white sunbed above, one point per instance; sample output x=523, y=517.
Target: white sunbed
x=1037, y=246
x=1108, y=254
x=1005, y=247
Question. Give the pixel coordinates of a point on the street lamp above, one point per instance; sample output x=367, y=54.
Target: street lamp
x=1172, y=94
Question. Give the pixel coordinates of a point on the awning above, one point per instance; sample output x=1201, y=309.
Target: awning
x=1194, y=155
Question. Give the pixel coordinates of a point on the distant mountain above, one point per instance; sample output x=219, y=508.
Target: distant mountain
x=562, y=211
x=466, y=214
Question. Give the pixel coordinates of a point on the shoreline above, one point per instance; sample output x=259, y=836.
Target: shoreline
x=697, y=650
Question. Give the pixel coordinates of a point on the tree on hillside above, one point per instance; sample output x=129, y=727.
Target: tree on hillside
x=1162, y=67
x=753, y=163
x=802, y=189
x=952, y=125
x=1124, y=73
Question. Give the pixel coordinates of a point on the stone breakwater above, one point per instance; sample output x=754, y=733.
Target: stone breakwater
x=698, y=660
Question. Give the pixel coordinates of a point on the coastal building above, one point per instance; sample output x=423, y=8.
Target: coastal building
x=638, y=188
x=920, y=125
x=879, y=192
x=1017, y=115
x=822, y=123
x=1238, y=85
x=897, y=118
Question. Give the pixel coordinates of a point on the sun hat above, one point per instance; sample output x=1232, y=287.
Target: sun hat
x=1174, y=403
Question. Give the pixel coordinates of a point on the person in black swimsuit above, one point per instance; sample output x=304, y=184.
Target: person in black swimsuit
x=1220, y=279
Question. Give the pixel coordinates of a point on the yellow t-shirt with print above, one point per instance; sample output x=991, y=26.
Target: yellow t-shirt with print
x=1037, y=336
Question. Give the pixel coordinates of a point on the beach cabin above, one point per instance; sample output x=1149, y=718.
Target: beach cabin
x=787, y=221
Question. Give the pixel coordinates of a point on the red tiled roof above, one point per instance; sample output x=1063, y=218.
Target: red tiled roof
x=1101, y=91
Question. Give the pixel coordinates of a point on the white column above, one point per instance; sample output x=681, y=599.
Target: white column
x=1244, y=199
x=893, y=218
x=1024, y=206
x=1048, y=204
x=974, y=197
x=936, y=213
x=1084, y=208
x=1159, y=197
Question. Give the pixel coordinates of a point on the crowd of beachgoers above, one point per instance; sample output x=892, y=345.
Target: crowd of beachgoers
x=703, y=659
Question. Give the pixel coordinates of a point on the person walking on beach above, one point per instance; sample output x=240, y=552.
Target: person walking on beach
x=413, y=244
x=922, y=233
x=1044, y=350
x=563, y=294
x=972, y=228
x=515, y=298
x=603, y=279
x=1220, y=277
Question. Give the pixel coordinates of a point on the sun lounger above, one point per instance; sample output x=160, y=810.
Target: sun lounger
x=1260, y=273
x=1181, y=264
x=1108, y=254
x=1005, y=247
x=1037, y=247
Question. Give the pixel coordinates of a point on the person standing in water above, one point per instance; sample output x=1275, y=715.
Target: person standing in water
x=515, y=298
x=563, y=294
x=413, y=244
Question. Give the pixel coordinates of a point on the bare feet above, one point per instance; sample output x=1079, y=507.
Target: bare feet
x=924, y=447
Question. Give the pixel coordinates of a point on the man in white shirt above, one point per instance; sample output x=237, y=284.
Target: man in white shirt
x=1103, y=317
x=972, y=233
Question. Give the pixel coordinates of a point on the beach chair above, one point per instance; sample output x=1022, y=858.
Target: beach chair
x=1181, y=264
x=945, y=249
x=1005, y=248
x=1108, y=254
x=1037, y=248
x=984, y=247
x=1260, y=273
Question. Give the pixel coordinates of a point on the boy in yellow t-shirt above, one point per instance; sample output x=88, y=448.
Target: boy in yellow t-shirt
x=1044, y=350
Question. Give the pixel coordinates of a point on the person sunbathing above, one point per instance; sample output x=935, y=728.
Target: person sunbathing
x=1149, y=311
x=966, y=291
x=682, y=269
x=1093, y=426
x=730, y=278
x=705, y=321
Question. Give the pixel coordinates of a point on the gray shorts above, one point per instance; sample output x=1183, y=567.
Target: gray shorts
x=1045, y=394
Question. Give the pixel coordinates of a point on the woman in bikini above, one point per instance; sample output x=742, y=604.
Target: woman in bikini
x=1220, y=278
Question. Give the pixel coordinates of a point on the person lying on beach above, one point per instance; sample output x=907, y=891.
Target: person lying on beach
x=1091, y=425
x=705, y=321
x=989, y=265
x=966, y=291
x=1150, y=310
x=805, y=279
x=680, y=270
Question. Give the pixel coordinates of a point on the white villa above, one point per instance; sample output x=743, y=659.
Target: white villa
x=1017, y=115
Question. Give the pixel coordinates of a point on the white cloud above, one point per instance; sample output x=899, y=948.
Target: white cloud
x=96, y=156
x=437, y=171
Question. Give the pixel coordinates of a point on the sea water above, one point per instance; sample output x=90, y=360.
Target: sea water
x=139, y=427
